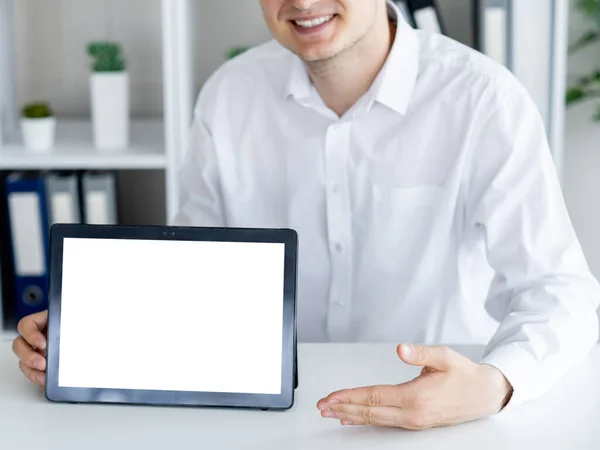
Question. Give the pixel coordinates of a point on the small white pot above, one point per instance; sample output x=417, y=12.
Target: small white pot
x=110, y=110
x=38, y=134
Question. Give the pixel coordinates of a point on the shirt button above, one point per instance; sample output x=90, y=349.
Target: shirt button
x=339, y=248
x=340, y=303
x=336, y=188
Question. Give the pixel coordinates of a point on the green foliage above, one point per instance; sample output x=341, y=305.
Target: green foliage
x=590, y=37
x=106, y=56
x=588, y=86
x=590, y=8
x=37, y=110
x=574, y=94
x=584, y=87
x=235, y=51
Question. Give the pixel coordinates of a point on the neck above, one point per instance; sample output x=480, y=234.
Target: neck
x=342, y=80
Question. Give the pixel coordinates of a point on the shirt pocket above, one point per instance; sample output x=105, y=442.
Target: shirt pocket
x=402, y=223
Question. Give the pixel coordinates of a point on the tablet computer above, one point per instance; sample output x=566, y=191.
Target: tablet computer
x=183, y=316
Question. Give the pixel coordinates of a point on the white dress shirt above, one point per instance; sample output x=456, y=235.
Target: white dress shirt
x=429, y=213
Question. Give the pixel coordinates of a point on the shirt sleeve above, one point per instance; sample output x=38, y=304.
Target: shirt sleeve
x=200, y=198
x=548, y=297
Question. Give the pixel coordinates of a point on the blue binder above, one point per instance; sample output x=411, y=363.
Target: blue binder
x=29, y=238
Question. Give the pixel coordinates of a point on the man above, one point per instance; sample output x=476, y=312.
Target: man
x=417, y=174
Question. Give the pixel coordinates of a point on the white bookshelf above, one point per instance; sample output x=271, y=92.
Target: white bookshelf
x=156, y=143
x=74, y=149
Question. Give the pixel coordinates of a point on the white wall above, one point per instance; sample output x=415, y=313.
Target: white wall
x=223, y=24
x=52, y=36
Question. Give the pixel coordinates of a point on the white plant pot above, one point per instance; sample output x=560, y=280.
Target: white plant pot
x=110, y=110
x=38, y=134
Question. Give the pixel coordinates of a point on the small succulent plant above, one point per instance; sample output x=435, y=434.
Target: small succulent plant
x=37, y=110
x=106, y=56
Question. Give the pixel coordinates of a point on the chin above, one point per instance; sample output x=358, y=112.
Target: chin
x=315, y=57
x=316, y=54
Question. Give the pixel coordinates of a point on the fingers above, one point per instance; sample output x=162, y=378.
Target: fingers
x=31, y=337
x=384, y=395
x=31, y=327
x=27, y=356
x=382, y=416
x=31, y=363
x=379, y=416
x=35, y=376
x=437, y=357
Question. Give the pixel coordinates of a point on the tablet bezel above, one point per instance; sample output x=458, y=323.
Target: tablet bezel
x=289, y=375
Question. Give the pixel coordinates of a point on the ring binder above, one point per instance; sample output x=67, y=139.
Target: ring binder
x=427, y=15
x=29, y=238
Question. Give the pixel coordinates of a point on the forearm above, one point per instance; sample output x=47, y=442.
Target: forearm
x=547, y=296
x=548, y=329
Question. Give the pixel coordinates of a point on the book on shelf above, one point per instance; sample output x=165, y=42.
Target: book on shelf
x=427, y=15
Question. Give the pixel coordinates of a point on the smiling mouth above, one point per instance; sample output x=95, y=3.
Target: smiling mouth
x=313, y=23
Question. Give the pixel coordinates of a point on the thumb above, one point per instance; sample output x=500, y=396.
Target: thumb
x=437, y=357
x=31, y=329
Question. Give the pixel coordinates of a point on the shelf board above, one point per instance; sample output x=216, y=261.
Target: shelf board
x=8, y=328
x=7, y=335
x=75, y=149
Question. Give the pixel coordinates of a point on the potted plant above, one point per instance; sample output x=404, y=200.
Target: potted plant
x=109, y=87
x=38, y=126
x=588, y=86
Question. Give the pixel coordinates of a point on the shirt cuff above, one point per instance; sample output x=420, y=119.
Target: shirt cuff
x=520, y=369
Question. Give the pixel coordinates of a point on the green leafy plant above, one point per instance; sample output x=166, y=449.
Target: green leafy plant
x=37, y=110
x=588, y=86
x=235, y=51
x=106, y=56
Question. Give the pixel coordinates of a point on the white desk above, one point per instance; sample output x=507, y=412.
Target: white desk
x=568, y=418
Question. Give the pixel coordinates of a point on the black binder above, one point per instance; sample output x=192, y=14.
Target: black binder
x=405, y=11
x=427, y=15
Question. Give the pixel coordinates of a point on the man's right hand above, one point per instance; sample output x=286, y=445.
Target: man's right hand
x=30, y=347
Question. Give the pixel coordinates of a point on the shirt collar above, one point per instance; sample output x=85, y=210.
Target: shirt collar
x=299, y=85
x=394, y=85
x=396, y=82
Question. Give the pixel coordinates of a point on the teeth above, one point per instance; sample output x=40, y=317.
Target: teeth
x=313, y=23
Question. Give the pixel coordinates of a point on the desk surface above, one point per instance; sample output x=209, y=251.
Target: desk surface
x=567, y=418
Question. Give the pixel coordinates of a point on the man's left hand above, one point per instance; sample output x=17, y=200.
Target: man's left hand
x=450, y=390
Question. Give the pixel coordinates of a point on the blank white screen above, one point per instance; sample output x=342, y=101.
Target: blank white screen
x=172, y=315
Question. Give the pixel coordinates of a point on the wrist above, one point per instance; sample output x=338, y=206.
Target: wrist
x=500, y=388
